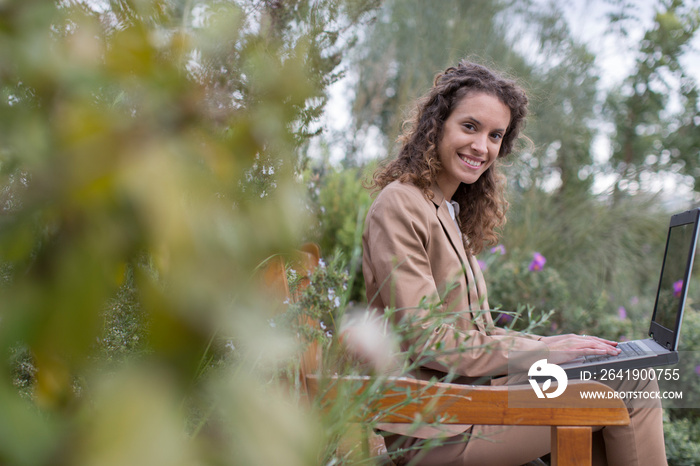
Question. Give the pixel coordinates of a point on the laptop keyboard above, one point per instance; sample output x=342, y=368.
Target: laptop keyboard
x=629, y=349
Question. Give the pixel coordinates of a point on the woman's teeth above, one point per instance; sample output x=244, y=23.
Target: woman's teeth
x=470, y=162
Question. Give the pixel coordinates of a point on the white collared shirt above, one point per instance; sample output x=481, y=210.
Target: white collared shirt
x=453, y=208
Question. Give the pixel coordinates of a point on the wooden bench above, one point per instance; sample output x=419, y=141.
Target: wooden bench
x=402, y=400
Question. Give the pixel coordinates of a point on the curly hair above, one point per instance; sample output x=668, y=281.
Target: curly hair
x=482, y=204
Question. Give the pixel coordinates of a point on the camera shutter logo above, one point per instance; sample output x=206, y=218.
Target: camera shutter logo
x=541, y=369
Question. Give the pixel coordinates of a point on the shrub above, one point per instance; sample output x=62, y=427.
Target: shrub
x=682, y=441
x=340, y=204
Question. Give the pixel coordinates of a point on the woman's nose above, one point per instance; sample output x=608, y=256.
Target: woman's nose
x=479, y=144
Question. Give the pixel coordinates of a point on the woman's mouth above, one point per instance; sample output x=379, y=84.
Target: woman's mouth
x=470, y=162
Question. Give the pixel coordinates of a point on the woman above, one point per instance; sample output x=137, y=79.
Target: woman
x=439, y=204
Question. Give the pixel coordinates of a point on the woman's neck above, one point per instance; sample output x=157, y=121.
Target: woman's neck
x=447, y=186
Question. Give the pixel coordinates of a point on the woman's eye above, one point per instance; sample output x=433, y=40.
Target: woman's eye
x=469, y=126
x=497, y=136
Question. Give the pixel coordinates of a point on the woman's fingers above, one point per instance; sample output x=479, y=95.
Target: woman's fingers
x=603, y=345
x=581, y=345
x=602, y=340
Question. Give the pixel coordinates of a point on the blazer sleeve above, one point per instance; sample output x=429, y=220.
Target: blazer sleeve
x=398, y=238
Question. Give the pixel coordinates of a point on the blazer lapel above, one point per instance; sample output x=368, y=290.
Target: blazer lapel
x=455, y=237
x=448, y=225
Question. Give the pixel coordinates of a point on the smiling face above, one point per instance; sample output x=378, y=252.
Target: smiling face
x=471, y=139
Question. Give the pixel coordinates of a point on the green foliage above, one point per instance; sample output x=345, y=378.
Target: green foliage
x=325, y=297
x=560, y=78
x=125, y=329
x=340, y=194
x=512, y=283
x=23, y=371
x=547, y=295
x=147, y=157
x=689, y=368
x=655, y=111
x=604, y=257
x=340, y=203
x=682, y=441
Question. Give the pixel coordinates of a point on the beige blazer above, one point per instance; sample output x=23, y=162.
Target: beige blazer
x=413, y=251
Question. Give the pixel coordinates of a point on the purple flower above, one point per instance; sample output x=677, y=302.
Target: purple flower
x=677, y=288
x=538, y=261
x=624, y=338
x=498, y=249
x=697, y=369
x=622, y=312
x=482, y=264
x=504, y=319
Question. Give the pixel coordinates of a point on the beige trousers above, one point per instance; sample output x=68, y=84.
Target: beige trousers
x=639, y=444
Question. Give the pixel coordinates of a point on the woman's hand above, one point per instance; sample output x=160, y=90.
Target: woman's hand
x=563, y=348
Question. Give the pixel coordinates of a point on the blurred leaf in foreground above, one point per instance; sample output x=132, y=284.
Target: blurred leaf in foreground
x=152, y=145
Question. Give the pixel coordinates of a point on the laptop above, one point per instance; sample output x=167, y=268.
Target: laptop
x=664, y=330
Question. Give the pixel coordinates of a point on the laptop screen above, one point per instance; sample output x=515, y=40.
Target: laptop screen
x=673, y=276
